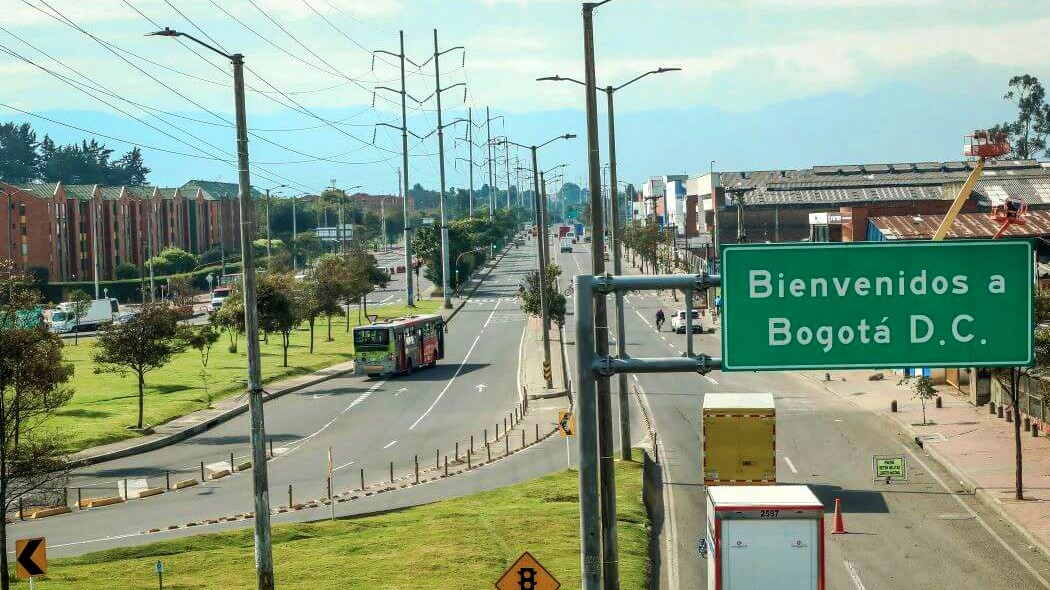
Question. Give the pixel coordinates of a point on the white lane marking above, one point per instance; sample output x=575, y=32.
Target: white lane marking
x=711, y=379
x=449, y=384
x=635, y=377
x=663, y=337
x=672, y=536
x=790, y=464
x=400, y=391
x=976, y=516
x=387, y=299
x=342, y=466
x=390, y=444
x=853, y=575
x=493, y=313
x=643, y=318
x=670, y=344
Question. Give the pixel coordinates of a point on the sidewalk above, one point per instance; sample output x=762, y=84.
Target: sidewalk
x=532, y=380
x=192, y=424
x=976, y=447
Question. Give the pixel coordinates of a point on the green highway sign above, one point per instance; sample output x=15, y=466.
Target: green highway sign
x=855, y=305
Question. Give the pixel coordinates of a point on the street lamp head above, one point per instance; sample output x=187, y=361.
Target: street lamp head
x=167, y=32
x=570, y=136
x=665, y=70
x=550, y=79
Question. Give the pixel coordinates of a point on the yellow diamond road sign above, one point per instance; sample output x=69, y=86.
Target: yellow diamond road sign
x=566, y=423
x=527, y=574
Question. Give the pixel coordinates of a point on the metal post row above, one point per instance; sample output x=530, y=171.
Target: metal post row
x=591, y=366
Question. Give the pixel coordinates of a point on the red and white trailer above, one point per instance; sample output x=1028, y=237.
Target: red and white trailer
x=761, y=537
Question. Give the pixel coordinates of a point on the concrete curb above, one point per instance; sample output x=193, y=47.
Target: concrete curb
x=200, y=427
x=980, y=493
x=550, y=395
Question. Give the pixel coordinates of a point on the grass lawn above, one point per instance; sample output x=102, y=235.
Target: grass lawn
x=464, y=543
x=103, y=405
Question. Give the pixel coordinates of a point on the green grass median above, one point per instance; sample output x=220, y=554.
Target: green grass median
x=104, y=405
x=459, y=544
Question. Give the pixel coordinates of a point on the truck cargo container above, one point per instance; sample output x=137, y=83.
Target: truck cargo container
x=764, y=537
x=738, y=437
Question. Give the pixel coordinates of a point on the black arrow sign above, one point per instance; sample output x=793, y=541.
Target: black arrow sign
x=25, y=557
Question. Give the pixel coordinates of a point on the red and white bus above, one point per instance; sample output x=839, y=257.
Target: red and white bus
x=399, y=345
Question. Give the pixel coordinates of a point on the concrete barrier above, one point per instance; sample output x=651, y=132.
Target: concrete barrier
x=181, y=485
x=244, y=466
x=219, y=474
x=146, y=493
x=45, y=512
x=99, y=502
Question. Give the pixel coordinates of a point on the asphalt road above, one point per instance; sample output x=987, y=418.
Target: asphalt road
x=921, y=534
x=366, y=423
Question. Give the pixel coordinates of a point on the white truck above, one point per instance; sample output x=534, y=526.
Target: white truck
x=566, y=244
x=96, y=313
x=764, y=537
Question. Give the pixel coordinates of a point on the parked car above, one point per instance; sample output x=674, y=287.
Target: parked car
x=678, y=322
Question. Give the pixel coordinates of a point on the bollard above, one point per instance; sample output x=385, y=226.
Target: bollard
x=271, y=448
x=446, y=465
x=893, y=406
x=488, y=451
x=472, y=442
x=65, y=496
x=497, y=431
x=125, y=488
x=290, y=503
x=391, y=472
x=515, y=414
x=1035, y=430
x=1010, y=415
x=991, y=407
x=328, y=481
x=362, y=479
x=999, y=411
x=21, y=510
x=523, y=438
x=79, y=498
x=537, y=433
x=1027, y=424
x=939, y=403
x=468, y=460
x=485, y=437
x=656, y=449
x=457, y=452
x=504, y=427
x=232, y=467
x=437, y=458
x=167, y=481
x=202, y=471
x=506, y=444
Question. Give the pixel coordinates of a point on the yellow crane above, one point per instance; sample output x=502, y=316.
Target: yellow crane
x=983, y=144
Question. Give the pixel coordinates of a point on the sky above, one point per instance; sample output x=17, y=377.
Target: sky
x=765, y=84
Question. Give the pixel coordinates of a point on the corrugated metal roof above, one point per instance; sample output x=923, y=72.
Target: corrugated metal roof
x=214, y=191
x=80, y=191
x=111, y=193
x=967, y=225
x=41, y=191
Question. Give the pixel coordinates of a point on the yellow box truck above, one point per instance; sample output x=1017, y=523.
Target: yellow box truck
x=738, y=434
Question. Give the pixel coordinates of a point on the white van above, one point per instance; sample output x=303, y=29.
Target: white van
x=566, y=244
x=98, y=312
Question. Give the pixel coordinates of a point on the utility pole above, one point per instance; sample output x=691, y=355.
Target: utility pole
x=149, y=241
x=382, y=217
x=295, y=235
x=409, y=291
x=222, y=237
x=470, y=144
x=269, y=255
x=445, y=291
x=615, y=234
x=260, y=484
x=94, y=242
x=541, y=254
x=601, y=413
x=507, y=148
x=714, y=211
x=492, y=175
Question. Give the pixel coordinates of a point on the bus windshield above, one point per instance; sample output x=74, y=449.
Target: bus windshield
x=371, y=337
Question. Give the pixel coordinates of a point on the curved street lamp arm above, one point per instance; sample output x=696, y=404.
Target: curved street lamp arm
x=169, y=32
x=656, y=71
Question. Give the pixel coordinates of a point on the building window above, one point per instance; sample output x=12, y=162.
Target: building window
x=22, y=209
x=25, y=249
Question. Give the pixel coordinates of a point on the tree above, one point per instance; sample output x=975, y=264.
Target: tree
x=307, y=246
x=32, y=387
x=201, y=338
x=365, y=276
x=230, y=317
x=181, y=292
x=923, y=389
x=277, y=309
x=555, y=300
x=145, y=342
x=126, y=271
x=129, y=170
x=19, y=159
x=80, y=302
x=332, y=274
x=1010, y=381
x=1028, y=133
x=308, y=303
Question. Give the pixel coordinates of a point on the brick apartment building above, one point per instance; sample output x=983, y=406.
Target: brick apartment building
x=52, y=229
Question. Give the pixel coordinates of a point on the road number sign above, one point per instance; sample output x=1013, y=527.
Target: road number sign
x=877, y=305
x=889, y=468
x=527, y=574
x=31, y=557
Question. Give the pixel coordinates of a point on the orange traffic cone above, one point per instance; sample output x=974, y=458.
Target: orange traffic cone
x=840, y=527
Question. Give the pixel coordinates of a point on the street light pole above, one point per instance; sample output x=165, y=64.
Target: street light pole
x=621, y=338
x=260, y=484
x=295, y=234
x=541, y=254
